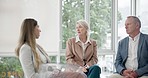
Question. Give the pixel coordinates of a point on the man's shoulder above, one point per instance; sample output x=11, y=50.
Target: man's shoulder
x=145, y=35
x=124, y=39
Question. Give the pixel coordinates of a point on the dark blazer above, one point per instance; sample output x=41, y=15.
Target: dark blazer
x=142, y=55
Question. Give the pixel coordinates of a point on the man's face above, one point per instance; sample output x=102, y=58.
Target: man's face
x=130, y=26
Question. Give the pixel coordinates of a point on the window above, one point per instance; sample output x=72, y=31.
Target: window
x=72, y=11
x=142, y=13
x=124, y=9
x=100, y=22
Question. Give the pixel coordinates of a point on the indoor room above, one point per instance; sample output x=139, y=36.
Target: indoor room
x=57, y=22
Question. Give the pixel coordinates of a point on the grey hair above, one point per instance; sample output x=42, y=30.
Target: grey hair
x=136, y=19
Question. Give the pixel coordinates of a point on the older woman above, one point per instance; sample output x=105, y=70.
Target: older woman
x=82, y=51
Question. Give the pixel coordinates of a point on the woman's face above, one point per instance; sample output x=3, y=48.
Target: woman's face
x=37, y=32
x=81, y=30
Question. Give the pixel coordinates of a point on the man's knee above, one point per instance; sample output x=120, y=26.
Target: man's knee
x=115, y=76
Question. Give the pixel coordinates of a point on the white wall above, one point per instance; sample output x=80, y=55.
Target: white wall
x=46, y=12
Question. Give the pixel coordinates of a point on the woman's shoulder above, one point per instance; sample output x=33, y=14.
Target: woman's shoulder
x=72, y=39
x=25, y=48
x=93, y=40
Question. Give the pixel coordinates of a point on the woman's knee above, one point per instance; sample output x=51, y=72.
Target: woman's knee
x=96, y=68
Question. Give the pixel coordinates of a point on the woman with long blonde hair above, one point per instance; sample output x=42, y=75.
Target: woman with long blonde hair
x=33, y=58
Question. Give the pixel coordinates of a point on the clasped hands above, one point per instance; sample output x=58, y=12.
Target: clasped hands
x=83, y=69
x=128, y=73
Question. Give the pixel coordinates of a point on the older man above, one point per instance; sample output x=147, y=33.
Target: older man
x=132, y=55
